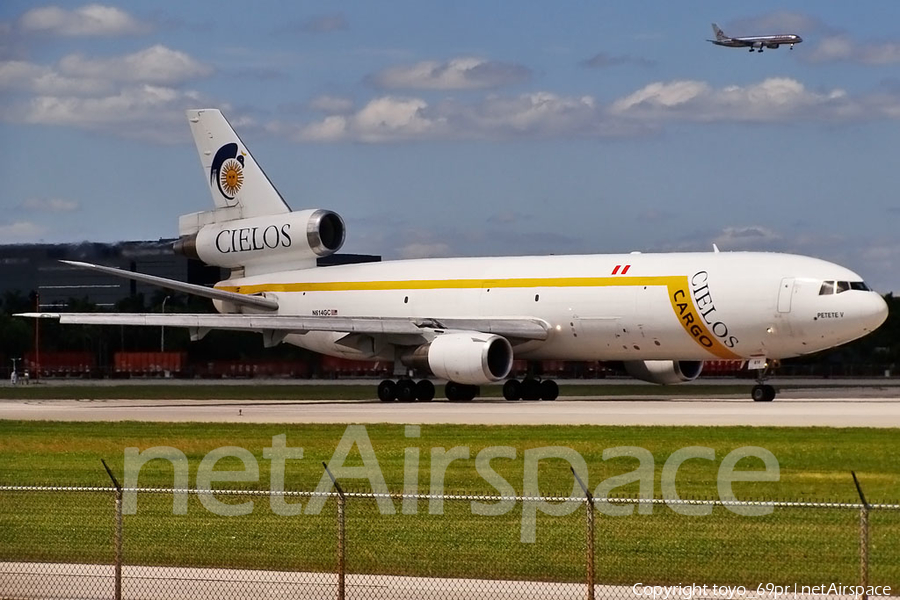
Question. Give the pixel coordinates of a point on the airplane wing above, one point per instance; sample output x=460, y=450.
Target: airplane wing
x=515, y=329
x=258, y=302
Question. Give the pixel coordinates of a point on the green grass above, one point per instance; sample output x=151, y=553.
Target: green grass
x=664, y=547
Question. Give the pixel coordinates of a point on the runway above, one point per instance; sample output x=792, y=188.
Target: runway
x=859, y=411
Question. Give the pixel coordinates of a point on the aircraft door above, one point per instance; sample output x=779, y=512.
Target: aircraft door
x=785, y=294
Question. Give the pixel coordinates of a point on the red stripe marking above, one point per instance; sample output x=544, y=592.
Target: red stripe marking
x=616, y=270
x=625, y=270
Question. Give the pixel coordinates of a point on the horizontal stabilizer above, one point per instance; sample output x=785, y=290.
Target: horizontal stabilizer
x=524, y=329
x=180, y=286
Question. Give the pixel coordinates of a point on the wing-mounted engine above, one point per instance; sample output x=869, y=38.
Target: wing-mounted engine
x=664, y=372
x=285, y=241
x=470, y=358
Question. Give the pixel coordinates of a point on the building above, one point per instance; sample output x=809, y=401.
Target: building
x=28, y=268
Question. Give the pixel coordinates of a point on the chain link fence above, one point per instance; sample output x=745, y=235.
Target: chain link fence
x=90, y=543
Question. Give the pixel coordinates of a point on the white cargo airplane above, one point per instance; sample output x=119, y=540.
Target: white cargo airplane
x=465, y=319
x=754, y=42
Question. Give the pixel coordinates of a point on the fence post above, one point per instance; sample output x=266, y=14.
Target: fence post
x=118, y=538
x=863, y=539
x=589, y=507
x=341, y=541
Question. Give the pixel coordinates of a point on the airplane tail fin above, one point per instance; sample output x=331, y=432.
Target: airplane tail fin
x=237, y=183
x=720, y=35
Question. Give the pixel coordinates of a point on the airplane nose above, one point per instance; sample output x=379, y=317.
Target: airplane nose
x=877, y=312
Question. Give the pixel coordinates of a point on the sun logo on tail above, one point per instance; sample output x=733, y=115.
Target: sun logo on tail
x=227, y=170
x=231, y=177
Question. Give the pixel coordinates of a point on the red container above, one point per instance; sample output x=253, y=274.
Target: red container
x=61, y=363
x=149, y=363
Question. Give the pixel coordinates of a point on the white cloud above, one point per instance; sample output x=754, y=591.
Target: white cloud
x=157, y=65
x=20, y=231
x=772, y=100
x=778, y=22
x=540, y=115
x=383, y=119
x=466, y=73
x=50, y=205
x=842, y=48
x=331, y=104
x=40, y=79
x=390, y=118
x=89, y=20
x=137, y=95
x=80, y=76
x=147, y=112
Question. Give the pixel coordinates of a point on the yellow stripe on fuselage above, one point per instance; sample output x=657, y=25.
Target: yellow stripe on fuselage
x=677, y=286
x=441, y=284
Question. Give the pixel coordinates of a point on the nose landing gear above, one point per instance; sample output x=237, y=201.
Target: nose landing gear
x=763, y=392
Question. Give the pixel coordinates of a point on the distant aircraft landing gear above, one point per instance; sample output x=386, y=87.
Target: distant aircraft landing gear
x=530, y=389
x=406, y=390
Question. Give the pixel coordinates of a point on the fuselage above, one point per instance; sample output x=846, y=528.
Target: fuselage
x=684, y=306
x=768, y=41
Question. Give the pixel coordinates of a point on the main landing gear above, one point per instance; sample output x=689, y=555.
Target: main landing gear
x=460, y=392
x=530, y=389
x=406, y=390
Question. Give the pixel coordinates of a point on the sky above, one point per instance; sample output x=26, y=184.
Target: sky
x=467, y=128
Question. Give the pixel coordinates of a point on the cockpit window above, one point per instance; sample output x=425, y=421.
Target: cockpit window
x=827, y=288
x=836, y=287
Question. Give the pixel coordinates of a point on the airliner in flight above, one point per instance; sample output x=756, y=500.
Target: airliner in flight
x=465, y=320
x=755, y=42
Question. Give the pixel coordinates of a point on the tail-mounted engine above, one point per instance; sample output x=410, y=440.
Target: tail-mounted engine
x=290, y=240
